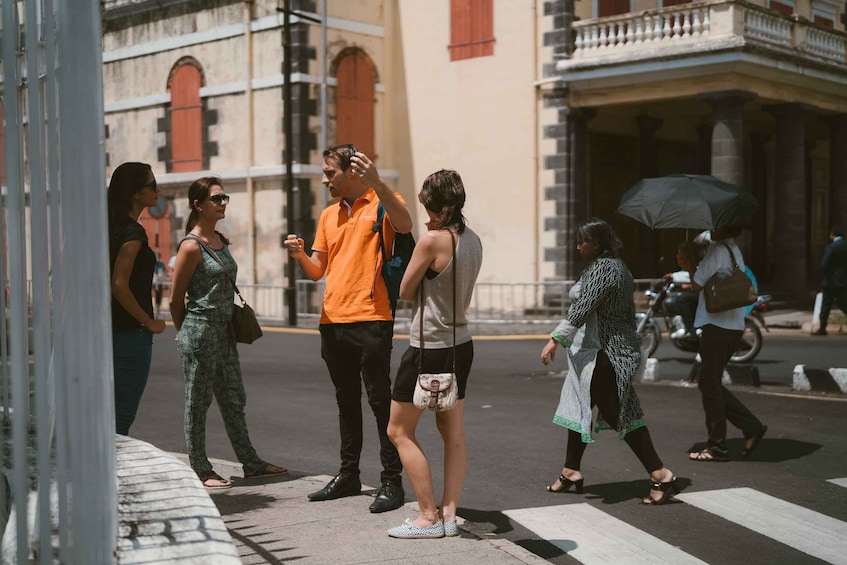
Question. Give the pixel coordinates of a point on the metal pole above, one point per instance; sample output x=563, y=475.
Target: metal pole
x=288, y=127
x=324, y=75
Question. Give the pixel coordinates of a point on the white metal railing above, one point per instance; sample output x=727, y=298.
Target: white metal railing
x=56, y=401
x=518, y=302
x=701, y=23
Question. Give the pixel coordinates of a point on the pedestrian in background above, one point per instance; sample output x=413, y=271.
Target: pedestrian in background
x=834, y=289
x=601, y=370
x=722, y=332
x=445, y=280
x=131, y=189
x=160, y=275
x=356, y=323
x=205, y=270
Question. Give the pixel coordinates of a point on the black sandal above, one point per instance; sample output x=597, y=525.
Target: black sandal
x=667, y=489
x=566, y=485
x=709, y=455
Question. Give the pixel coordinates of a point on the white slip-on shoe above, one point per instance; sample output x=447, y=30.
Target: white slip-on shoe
x=408, y=530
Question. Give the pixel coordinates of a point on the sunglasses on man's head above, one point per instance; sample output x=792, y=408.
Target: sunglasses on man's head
x=220, y=198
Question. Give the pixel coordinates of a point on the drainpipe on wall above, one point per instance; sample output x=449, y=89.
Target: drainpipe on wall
x=251, y=194
x=536, y=205
x=324, y=118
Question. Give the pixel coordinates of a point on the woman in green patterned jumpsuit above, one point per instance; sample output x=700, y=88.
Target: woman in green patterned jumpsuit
x=205, y=340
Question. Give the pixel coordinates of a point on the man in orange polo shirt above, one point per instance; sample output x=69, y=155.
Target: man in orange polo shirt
x=356, y=322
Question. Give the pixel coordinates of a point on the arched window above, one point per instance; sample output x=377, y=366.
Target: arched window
x=186, y=118
x=354, y=99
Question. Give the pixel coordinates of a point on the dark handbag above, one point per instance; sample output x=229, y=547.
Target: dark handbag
x=437, y=391
x=245, y=326
x=394, y=267
x=724, y=293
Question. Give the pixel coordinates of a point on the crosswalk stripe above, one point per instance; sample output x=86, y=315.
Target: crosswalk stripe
x=839, y=482
x=591, y=536
x=810, y=532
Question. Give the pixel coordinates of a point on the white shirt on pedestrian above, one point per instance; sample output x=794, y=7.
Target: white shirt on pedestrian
x=717, y=260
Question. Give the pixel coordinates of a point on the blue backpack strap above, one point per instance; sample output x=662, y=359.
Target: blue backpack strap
x=377, y=227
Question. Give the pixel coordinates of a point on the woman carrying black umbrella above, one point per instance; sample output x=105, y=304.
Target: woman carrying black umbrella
x=722, y=332
x=602, y=368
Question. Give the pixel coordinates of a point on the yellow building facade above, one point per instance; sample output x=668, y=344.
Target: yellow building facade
x=549, y=110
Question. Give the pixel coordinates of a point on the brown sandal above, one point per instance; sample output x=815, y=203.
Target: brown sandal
x=265, y=470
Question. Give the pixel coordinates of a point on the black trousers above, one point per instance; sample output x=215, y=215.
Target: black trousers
x=832, y=295
x=604, y=395
x=356, y=353
x=716, y=347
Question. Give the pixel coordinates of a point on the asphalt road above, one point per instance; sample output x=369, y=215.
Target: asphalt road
x=514, y=449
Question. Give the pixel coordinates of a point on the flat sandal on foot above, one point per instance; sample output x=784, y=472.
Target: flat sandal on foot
x=265, y=470
x=566, y=485
x=708, y=455
x=215, y=481
x=667, y=489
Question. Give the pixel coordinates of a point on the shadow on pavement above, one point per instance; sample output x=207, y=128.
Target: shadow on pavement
x=614, y=493
x=773, y=450
x=497, y=523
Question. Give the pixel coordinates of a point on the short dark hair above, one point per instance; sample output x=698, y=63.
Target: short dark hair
x=601, y=233
x=444, y=195
x=837, y=231
x=342, y=154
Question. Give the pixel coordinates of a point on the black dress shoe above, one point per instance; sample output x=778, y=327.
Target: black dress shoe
x=339, y=487
x=388, y=497
x=821, y=331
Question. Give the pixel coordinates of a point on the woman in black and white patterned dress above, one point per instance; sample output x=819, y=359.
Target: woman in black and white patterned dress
x=602, y=369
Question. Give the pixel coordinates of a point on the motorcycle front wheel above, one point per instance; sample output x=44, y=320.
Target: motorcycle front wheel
x=751, y=343
x=648, y=338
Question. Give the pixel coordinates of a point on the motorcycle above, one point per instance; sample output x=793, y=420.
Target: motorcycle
x=650, y=332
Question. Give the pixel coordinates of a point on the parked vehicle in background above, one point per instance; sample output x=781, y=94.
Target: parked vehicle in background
x=650, y=330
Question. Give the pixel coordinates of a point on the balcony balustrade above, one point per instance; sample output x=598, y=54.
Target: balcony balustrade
x=701, y=25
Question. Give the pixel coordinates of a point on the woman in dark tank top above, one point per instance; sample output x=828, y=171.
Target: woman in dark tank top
x=131, y=189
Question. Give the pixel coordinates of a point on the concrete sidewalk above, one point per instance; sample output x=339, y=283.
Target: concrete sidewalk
x=271, y=521
x=167, y=516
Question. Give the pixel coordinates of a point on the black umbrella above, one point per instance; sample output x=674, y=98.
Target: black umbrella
x=688, y=201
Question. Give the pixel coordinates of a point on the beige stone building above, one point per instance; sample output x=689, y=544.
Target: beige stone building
x=549, y=110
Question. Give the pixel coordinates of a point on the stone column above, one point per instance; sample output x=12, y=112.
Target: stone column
x=648, y=166
x=838, y=171
x=759, y=259
x=727, y=133
x=791, y=217
x=560, y=192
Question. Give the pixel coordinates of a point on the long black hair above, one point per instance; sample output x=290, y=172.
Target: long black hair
x=444, y=195
x=599, y=232
x=126, y=181
x=199, y=191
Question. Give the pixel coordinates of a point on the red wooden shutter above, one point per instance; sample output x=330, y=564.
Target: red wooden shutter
x=612, y=7
x=826, y=22
x=354, y=98
x=666, y=3
x=471, y=29
x=782, y=8
x=186, y=120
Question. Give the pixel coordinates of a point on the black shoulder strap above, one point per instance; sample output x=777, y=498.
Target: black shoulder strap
x=732, y=255
x=423, y=343
x=214, y=256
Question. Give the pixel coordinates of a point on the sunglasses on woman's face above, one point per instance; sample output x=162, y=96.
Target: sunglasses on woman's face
x=220, y=199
